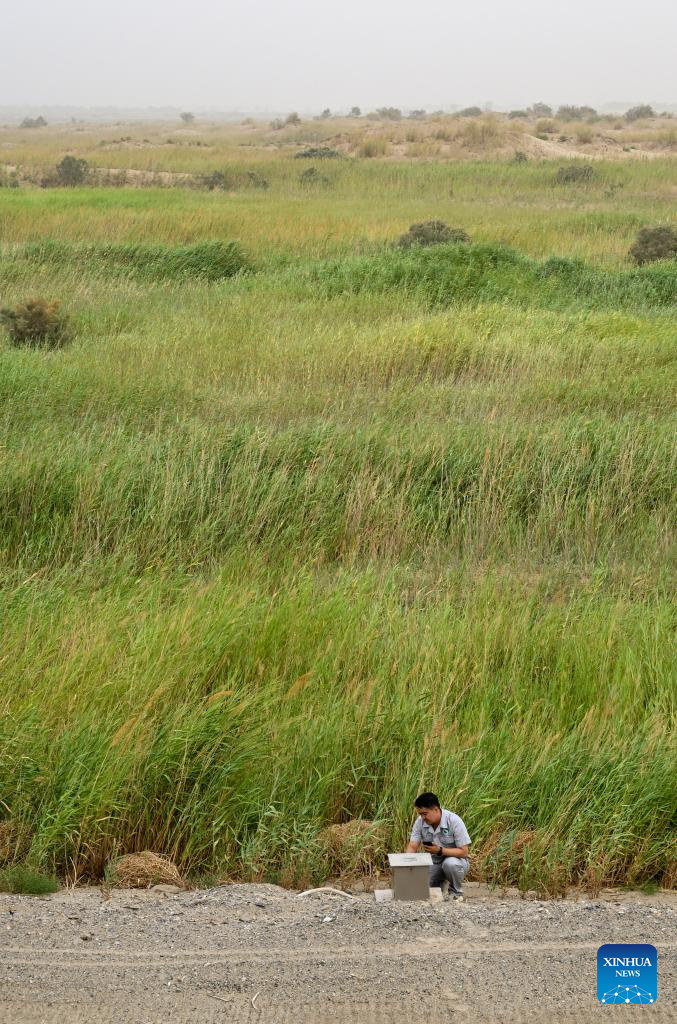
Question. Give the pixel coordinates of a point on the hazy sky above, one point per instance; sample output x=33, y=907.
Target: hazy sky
x=308, y=54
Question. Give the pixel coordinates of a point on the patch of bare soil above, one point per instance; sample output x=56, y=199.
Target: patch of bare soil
x=260, y=953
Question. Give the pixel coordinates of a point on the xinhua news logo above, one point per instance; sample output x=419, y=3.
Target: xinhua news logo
x=627, y=973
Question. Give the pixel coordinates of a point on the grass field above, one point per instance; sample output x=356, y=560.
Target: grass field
x=283, y=548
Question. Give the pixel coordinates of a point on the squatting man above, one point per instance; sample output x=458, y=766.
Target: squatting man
x=442, y=834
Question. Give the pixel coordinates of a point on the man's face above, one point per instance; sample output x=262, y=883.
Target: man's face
x=431, y=815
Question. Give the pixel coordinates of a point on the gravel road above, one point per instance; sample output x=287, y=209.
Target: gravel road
x=257, y=953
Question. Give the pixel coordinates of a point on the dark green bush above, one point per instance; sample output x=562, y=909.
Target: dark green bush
x=431, y=232
x=33, y=122
x=654, y=244
x=72, y=170
x=318, y=153
x=215, y=180
x=574, y=174
x=35, y=323
x=469, y=112
x=520, y=157
x=514, y=114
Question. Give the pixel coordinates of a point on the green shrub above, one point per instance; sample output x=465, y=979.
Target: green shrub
x=654, y=244
x=257, y=180
x=187, y=117
x=26, y=881
x=574, y=174
x=514, y=114
x=431, y=232
x=469, y=112
x=311, y=176
x=35, y=323
x=520, y=157
x=637, y=113
x=292, y=118
x=211, y=260
x=9, y=179
x=33, y=122
x=318, y=153
x=72, y=170
x=442, y=275
x=215, y=180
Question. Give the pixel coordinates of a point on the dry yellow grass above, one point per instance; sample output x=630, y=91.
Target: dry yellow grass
x=14, y=841
x=356, y=847
x=141, y=870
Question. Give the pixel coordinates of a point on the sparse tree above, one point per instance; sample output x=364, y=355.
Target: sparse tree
x=636, y=113
x=187, y=117
x=416, y=115
x=355, y=112
x=539, y=110
x=33, y=122
x=389, y=113
x=292, y=118
x=325, y=113
x=72, y=170
x=574, y=174
x=572, y=113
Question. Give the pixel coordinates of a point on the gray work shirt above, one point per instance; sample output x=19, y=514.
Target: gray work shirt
x=451, y=831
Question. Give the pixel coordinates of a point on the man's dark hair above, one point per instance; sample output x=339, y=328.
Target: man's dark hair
x=426, y=800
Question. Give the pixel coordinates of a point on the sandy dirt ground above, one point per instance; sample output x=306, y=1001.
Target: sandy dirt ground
x=257, y=953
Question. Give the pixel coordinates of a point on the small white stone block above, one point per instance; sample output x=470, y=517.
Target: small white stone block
x=383, y=895
x=436, y=894
x=409, y=860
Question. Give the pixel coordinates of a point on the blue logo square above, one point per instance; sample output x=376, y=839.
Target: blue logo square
x=627, y=973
